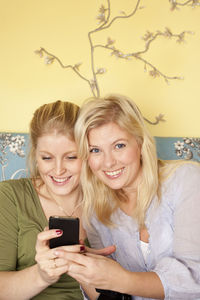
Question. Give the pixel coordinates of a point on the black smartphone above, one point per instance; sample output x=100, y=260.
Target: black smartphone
x=70, y=228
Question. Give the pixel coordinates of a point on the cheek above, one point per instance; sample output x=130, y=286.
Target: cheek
x=42, y=168
x=78, y=166
x=93, y=163
x=131, y=156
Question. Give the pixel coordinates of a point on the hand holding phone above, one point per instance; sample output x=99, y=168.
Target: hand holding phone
x=70, y=228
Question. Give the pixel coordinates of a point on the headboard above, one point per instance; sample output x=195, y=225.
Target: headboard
x=14, y=149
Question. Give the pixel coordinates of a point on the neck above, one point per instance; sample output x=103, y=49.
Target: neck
x=69, y=200
x=67, y=204
x=128, y=204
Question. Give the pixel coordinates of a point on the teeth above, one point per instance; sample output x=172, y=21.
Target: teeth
x=59, y=179
x=114, y=173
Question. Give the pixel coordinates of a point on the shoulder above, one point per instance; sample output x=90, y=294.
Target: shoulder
x=14, y=183
x=14, y=194
x=183, y=183
x=14, y=186
x=186, y=172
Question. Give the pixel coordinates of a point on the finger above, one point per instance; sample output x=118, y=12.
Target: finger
x=53, y=263
x=94, y=256
x=80, y=273
x=78, y=258
x=73, y=257
x=44, y=236
x=104, y=251
x=61, y=270
x=75, y=269
x=46, y=255
x=73, y=248
x=60, y=262
x=52, y=270
x=50, y=253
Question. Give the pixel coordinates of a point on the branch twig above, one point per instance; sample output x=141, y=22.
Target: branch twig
x=105, y=23
x=175, y=4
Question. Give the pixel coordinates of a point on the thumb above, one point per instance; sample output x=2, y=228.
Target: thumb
x=104, y=251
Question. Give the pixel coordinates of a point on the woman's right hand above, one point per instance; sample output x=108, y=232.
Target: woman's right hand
x=50, y=267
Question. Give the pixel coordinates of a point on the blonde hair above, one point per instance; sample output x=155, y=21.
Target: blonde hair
x=57, y=116
x=98, y=197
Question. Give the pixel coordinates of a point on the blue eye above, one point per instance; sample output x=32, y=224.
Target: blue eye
x=120, y=146
x=94, y=150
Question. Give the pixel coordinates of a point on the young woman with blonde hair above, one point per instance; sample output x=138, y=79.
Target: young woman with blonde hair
x=148, y=208
x=29, y=269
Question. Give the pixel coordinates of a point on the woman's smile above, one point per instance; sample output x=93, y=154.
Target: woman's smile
x=60, y=181
x=114, y=156
x=114, y=174
x=58, y=164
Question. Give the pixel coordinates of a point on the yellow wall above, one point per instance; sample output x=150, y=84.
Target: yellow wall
x=61, y=27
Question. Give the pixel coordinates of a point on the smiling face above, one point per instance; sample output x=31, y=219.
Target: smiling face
x=57, y=163
x=114, y=156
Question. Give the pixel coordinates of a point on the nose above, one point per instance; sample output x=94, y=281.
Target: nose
x=109, y=160
x=60, y=167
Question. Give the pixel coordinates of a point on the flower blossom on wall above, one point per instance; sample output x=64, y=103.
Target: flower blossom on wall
x=13, y=144
x=188, y=149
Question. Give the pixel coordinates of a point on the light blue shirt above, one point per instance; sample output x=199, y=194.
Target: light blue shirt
x=174, y=242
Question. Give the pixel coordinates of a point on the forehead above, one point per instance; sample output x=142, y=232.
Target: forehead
x=55, y=142
x=108, y=133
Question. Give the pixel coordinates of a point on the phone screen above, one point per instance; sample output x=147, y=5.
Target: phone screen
x=70, y=228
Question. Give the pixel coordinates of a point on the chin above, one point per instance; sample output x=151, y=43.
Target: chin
x=114, y=186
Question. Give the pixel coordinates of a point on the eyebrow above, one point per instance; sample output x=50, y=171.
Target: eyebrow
x=46, y=152
x=114, y=142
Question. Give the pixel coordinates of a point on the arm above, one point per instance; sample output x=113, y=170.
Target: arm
x=88, y=290
x=100, y=272
x=11, y=286
x=176, y=275
x=31, y=281
x=97, y=271
x=179, y=272
x=20, y=284
x=93, y=240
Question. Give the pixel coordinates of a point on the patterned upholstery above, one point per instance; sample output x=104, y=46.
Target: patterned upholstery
x=14, y=149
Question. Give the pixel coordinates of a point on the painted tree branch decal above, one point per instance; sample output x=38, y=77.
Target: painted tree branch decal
x=104, y=22
x=176, y=4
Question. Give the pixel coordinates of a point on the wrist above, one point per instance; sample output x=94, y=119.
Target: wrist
x=126, y=278
x=39, y=278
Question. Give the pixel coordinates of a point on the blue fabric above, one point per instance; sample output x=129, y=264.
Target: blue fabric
x=178, y=148
x=13, y=155
x=14, y=150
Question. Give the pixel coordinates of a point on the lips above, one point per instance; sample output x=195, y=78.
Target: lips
x=60, y=180
x=114, y=174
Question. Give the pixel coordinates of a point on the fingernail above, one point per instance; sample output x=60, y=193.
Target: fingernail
x=59, y=231
x=82, y=248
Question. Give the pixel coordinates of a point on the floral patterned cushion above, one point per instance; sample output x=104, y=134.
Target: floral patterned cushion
x=14, y=150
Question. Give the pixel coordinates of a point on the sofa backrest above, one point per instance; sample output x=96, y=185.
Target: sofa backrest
x=14, y=150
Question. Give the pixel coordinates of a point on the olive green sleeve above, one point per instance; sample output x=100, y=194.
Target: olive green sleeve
x=8, y=228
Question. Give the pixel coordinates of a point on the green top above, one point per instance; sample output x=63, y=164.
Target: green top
x=21, y=219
